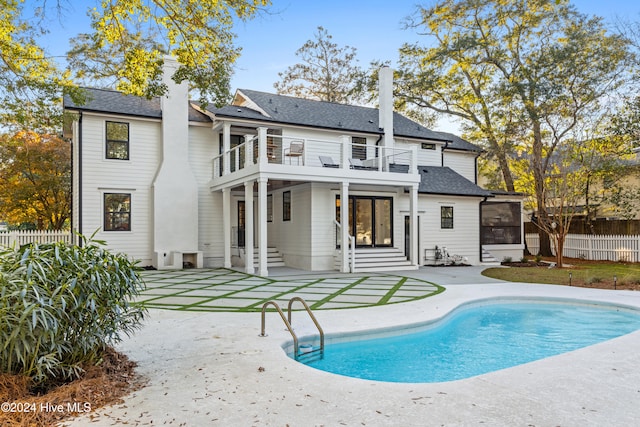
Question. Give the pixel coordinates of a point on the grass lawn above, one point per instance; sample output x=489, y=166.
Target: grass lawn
x=591, y=274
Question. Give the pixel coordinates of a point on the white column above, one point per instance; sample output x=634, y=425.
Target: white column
x=226, y=146
x=345, y=141
x=413, y=225
x=262, y=146
x=262, y=227
x=226, y=226
x=344, y=226
x=248, y=227
x=248, y=151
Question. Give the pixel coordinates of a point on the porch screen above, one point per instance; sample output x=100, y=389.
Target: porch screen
x=500, y=223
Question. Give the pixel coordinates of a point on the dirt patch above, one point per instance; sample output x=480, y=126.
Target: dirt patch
x=101, y=385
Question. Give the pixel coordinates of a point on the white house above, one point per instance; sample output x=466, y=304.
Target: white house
x=261, y=182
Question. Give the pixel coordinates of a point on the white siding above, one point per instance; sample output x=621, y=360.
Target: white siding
x=293, y=238
x=101, y=175
x=462, y=162
x=323, y=239
x=426, y=157
x=463, y=239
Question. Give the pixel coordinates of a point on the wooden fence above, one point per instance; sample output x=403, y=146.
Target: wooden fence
x=595, y=247
x=22, y=237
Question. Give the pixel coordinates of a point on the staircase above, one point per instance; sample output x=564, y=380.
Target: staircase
x=274, y=259
x=488, y=258
x=379, y=259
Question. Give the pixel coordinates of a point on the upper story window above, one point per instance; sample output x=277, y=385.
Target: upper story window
x=358, y=148
x=428, y=146
x=446, y=217
x=117, y=212
x=117, y=146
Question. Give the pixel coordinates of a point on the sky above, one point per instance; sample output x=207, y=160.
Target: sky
x=269, y=41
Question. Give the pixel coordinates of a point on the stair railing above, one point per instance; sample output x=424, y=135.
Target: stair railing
x=351, y=249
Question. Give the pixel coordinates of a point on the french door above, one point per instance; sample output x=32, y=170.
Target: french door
x=370, y=220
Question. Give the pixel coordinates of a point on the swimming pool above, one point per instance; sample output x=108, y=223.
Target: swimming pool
x=477, y=339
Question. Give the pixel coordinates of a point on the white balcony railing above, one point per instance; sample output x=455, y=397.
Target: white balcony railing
x=313, y=153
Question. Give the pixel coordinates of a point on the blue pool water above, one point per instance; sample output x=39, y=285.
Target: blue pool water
x=478, y=339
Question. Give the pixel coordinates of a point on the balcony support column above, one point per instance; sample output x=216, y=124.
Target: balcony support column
x=262, y=227
x=248, y=227
x=226, y=226
x=344, y=227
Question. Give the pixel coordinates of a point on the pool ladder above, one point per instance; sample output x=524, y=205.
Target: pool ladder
x=287, y=322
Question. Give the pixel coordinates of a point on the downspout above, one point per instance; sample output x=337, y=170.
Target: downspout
x=480, y=225
x=446, y=144
x=79, y=178
x=378, y=143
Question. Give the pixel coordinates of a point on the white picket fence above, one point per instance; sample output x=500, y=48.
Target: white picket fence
x=594, y=247
x=22, y=237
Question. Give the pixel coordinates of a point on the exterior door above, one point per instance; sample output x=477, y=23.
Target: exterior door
x=242, y=222
x=372, y=221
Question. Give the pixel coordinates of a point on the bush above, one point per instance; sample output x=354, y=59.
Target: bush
x=61, y=305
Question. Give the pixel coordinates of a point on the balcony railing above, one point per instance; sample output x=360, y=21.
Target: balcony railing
x=314, y=153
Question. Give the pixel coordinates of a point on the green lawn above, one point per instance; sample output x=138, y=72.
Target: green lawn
x=593, y=274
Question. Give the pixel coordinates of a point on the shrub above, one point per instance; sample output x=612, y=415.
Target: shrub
x=60, y=305
x=593, y=280
x=538, y=258
x=507, y=259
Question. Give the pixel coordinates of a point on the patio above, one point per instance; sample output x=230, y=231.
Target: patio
x=234, y=291
x=212, y=368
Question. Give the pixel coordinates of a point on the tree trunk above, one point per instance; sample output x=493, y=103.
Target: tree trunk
x=559, y=249
x=541, y=201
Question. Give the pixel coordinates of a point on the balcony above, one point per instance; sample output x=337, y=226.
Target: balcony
x=308, y=159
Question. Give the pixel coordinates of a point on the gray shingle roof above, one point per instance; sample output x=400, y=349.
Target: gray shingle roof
x=327, y=115
x=114, y=102
x=445, y=181
x=281, y=109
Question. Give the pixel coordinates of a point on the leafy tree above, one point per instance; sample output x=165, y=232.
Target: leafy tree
x=327, y=72
x=130, y=38
x=35, y=179
x=125, y=49
x=519, y=75
x=30, y=81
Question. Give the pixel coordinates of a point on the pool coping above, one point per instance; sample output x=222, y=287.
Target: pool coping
x=215, y=370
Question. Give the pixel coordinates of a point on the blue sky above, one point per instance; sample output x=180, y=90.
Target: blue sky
x=269, y=42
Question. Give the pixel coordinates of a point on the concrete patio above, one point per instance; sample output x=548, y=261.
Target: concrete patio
x=212, y=368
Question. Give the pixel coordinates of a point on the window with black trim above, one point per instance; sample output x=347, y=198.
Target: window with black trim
x=117, y=140
x=446, y=216
x=428, y=146
x=117, y=212
x=270, y=208
x=286, y=206
x=358, y=148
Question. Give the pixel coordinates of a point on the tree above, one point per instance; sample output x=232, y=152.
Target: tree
x=327, y=72
x=519, y=74
x=126, y=48
x=30, y=81
x=35, y=179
